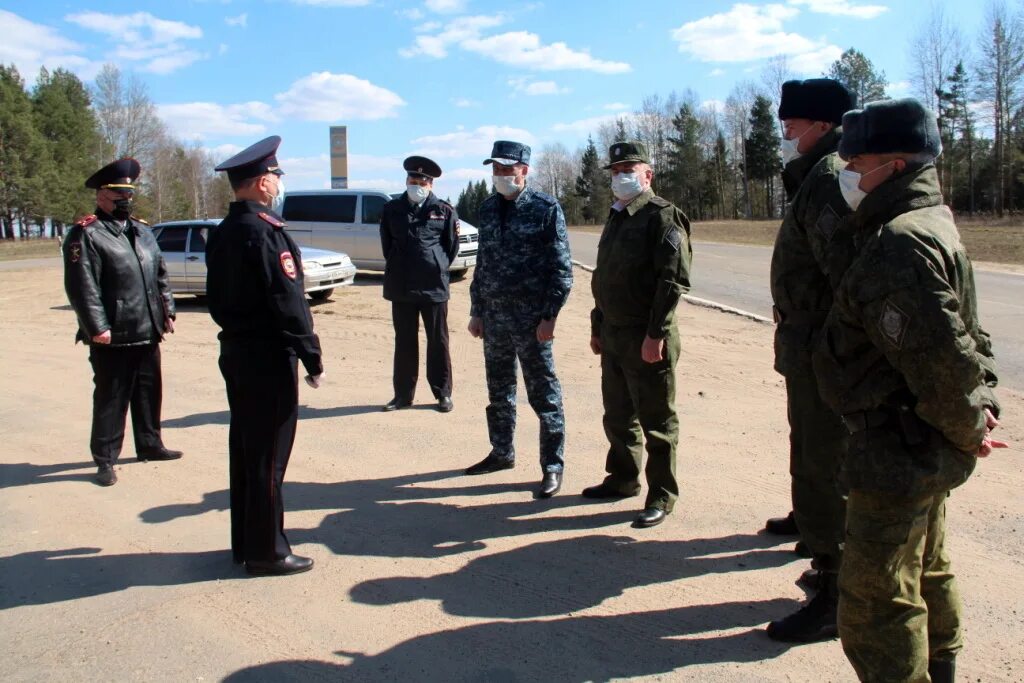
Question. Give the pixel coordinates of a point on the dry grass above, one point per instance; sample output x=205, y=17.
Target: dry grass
x=987, y=239
x=12, y=250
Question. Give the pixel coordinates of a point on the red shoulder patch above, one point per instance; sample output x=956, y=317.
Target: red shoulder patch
x=271, y=219
x=287, y=264
x=86, y=220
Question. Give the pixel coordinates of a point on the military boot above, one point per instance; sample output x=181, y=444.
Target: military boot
x=942, y=670
x=814, y=621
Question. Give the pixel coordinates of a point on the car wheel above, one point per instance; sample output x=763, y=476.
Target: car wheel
x=456, y=275
x=321, y=294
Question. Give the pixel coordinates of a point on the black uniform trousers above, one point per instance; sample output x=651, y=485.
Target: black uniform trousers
x=406, y=317
x=263, y=395
x=125, y=376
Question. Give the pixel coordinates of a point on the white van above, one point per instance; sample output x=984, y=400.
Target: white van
x=349, y=221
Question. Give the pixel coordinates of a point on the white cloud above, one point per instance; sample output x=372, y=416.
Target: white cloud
x=223, y=49
x=523, y=49
x=141, y=37
x=445, y=6
x=713, y=105
x=462, y=143
x=414, y=14
x=525, y=86
x=516, y=48
x=898, y=89
x=456, y=32
x=242, y=20
x=814, y=62
x=616, y=106
x=748, y=33
x=842, y=8
x=198, y=120
x=29, y=46
x=464, y=102
x=714, y=73
x=326, y=96
x=586, y=126
x=333, y=3
x=224, y=152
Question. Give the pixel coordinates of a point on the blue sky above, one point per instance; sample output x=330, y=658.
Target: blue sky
x=442, y=77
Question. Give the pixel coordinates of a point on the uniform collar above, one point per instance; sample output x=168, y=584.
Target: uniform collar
x=638, y=202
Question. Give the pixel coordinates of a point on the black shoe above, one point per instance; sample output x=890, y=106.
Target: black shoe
x=802, y=550
x=491, y=464
x=814, y=621
x=809, y=579
x=781, y=526
x=445, y=405
x=105, y=475
x=396, y=404
x=162, y=453
x=550, y=484
x=942, y=670
x=602, y=490
x=293, y=564
x=649, y=517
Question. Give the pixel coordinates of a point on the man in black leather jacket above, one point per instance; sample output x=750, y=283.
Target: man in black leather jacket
x=419, y=233
x=116, y=281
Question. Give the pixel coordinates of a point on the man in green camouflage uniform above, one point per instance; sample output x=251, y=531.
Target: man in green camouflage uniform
x=643, y=267
x=904, y=360
x=810, y=238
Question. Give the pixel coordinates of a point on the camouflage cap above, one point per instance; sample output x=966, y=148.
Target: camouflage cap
x=621, y=152
x=507, y=153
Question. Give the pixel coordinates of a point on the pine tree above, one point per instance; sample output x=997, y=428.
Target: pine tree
x=957, y=125
x=684, y=183
x=857, y=73
x=26, y=167
x=762, y=146
x=592, y=186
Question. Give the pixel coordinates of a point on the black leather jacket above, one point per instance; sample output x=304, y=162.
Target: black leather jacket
x=113, y=285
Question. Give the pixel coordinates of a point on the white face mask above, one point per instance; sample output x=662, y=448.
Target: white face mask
x=277, y=201
x=506, y=185
x=790, y=150
x=849, y=185
x=625, y=186
x=417, y=193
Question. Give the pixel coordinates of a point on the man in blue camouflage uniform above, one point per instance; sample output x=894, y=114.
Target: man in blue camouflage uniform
x=522, y=279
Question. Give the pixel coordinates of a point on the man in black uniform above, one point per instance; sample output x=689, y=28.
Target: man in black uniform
x=419, y=234
x=255, y=290
x=116, y=281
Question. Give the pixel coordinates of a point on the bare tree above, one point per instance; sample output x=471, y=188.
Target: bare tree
x=127, y=117
x=999, y=73
x=737, y=122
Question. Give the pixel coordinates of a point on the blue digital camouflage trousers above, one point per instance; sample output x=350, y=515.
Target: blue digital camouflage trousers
x=510, y=336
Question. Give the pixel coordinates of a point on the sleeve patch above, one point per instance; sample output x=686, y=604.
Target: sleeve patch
x=893, y=323
x=288, y=264
x=75, y=251
x=271, y=219
x=828, y=220
x=674, y=238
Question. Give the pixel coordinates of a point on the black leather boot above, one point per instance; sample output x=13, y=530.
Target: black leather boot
x=942, y=670
x=814, y=621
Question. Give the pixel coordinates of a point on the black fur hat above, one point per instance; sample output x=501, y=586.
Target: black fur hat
x=901, y=126
x=816, y=99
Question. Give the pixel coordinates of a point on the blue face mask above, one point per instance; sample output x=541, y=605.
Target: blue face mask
x=625, y=186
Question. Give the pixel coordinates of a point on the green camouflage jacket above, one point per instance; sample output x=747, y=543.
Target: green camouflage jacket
x=812, y=249
x=643, y=266
x=902, y=344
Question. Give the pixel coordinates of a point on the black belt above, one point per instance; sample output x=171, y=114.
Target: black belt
x=799, y=318
x=865, y=419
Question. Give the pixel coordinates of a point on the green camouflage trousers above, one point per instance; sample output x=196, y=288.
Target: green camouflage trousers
x=817, y=443
x=640, y=401
x=898, y=601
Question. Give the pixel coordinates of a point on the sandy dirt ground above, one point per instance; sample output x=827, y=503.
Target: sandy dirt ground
x=423, y=574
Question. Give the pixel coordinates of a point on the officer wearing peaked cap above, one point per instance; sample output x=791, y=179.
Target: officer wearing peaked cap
x=255, y=291
x=810, y=249
x=116, y=281
x=522, y=280
x=419, y=236
x=903, y=358
x=642, y=270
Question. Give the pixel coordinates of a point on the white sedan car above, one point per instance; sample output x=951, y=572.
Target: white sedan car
x=183, y=244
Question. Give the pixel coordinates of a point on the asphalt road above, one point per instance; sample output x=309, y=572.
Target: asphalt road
x=737, y=275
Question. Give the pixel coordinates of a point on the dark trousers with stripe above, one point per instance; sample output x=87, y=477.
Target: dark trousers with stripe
x=262, y=388
x=406, y=318
x=125, y=376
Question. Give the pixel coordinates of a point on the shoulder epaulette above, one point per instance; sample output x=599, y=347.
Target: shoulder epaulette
x=139, y=220
x=545, y=197
x=271, y=219
x=658, y=201
x=86, y=220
